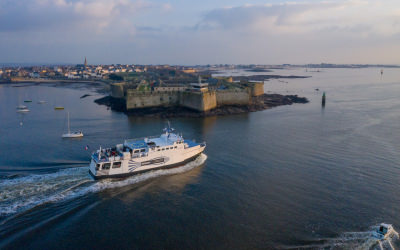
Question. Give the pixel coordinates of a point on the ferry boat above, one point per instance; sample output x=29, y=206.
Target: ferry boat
x=136, y=156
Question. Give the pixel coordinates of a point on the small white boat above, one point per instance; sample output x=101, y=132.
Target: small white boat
x=75, y=134
x=383, y=231
x=41, y=102
x=22, y=109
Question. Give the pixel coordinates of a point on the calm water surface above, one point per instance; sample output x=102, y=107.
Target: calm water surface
x=292, y=176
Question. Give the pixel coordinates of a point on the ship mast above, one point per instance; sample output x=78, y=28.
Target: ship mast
x=69, y=131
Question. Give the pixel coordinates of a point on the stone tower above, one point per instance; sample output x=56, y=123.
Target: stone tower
x=85, y=64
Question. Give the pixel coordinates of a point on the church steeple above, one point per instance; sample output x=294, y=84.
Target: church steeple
x=85, y=64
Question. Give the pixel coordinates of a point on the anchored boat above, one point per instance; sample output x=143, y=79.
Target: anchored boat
x=70, y=134
x=22, y=109
x=145, y=154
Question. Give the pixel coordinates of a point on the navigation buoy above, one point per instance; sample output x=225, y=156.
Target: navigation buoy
x=323, y=99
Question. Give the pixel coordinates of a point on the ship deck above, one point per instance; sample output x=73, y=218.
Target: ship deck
x=163, y=140
x=191, y=143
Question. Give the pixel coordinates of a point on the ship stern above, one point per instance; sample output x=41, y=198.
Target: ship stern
x=92, y=168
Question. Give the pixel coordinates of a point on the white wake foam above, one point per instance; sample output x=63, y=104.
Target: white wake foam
x=21, y=194
x=364, y=240
x=354, y=240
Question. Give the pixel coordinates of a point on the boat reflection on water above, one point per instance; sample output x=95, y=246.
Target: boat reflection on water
x=21, y=117
x=201, y=124
x=177, y=182
x=208, y=124
x=174, y=183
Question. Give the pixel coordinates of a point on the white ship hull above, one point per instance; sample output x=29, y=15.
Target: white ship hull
x=72, y=135
x=23, y=110
x=174, y=154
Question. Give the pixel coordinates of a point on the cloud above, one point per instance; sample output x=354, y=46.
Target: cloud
x=40, y=15
x=353, y=16
x=155, y=31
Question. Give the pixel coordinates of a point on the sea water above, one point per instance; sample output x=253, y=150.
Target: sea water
x=288, y=177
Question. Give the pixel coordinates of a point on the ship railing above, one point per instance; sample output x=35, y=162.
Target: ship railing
x=105, y=158
x=140, y=139
x=108, y=158
x=139, y=155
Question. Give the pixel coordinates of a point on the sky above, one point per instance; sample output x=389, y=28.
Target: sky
x=187, y=32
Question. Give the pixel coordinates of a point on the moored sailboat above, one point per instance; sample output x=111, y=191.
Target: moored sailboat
x=75, y=134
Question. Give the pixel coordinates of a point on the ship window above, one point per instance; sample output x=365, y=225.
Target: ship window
x=144, y=163
x=142, y=150
x=166, y=148
x=137, y=151
x=163, y=149
x=171, y=147
x=155, y=161
x=106, y=166
x=158, y=149
x=97, y=166
x=116, y=165
x=176, y=146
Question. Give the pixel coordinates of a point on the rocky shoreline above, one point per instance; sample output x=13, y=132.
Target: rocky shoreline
x=259, y=103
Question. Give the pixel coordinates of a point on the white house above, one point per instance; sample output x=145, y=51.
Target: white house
x=34, y=74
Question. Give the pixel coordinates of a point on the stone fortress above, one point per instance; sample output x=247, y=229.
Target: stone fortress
x=199, y=96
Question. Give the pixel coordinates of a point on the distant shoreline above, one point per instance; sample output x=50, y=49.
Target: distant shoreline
x=98, y=86
x=266, y=77
x=41, y=80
